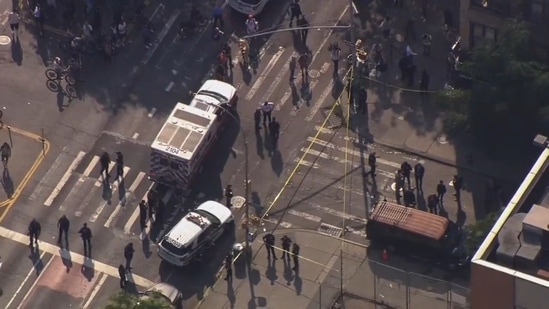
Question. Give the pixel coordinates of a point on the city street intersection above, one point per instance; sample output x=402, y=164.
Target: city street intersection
x=313, y=180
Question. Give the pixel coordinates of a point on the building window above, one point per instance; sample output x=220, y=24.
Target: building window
x=540, y=11
x=481, y=34
x=499, y=6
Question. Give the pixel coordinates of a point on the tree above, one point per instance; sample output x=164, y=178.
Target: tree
x=476, y=232
x=152, y=300
x=508, y=101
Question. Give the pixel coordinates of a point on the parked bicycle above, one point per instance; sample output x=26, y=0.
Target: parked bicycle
x=59, y=71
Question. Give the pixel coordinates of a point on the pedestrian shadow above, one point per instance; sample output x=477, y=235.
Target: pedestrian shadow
x=298, y=282
x=146, y=245
x=256, y=203
x=61, y=99
x=276, y=162
x=306, y=91
x=107, y=192
x=230, y=293
x=259, y=144
x=461, y=215
x=288, y=273
x=270, y=273
x=37, y=263
x=337, y=88
x=7, y=183
x=295, y=95
x=421, y=202
x=17, y=52
x=122, y=191
x=88, y=269
x=66, y=259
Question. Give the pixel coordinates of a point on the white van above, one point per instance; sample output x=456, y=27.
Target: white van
x=197, y=231
x=248, y=7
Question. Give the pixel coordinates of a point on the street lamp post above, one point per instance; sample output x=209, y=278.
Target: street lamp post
x=247, y=181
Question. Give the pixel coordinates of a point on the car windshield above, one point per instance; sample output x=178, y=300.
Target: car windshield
x=213, y=219
x=215, y=95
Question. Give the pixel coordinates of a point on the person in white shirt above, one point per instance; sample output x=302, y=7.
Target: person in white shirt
x=13, y=19
x=251, y=25
x=267, y=109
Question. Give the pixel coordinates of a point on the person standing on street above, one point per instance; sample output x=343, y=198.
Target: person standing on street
x=269, y=241
x=372, y=158
x=5, y=150
x=128, y=255
x=34, y=232
x=303, y=62
x=274, y=131
x=229, y=196
x=399, y=182
x=119, y=166
x=123, y=278
x=86, y=235
x=441, y=190
x=13, y=19
x=228, y=268
x=458, y=185
x=303, y=32
x=63, y=225
x=419, y=171
x=335, y=54
x=295, y=256
x=432, y=202
x=105, y=161
x=257, y=119
x=286, y=243
x=406, y=169
x=143, y=215
x=295, y=11
x=267, y=109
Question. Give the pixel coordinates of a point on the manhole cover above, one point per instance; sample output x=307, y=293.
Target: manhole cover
x=238, y=201
x=314, y=73
x=442, y=139
x=331, y=230
x=4, y=40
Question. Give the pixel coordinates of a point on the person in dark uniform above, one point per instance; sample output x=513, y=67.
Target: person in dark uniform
x=286, y=243
x=229, y=196
x=128, y=255
x=143, y=215
x=229, y=269
x=274, y=131
x=372, y=158
x=419, y=172
x=406, y=169
x=257, y=119
x=432, y=202
x=295, y=256
x=441, y=190
x=86, y=235
x=34, y=232
x=295, y=11
x=269, y=241
x=119, y=166
x=458, y=185
x=63, y=225
x=123, y=278
x=105, y=161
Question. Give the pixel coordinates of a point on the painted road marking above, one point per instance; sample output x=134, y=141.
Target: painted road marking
x=98, y=285
x=309, y=96
x=305, y=215
x=135, y=135
x=135, y=213
x=24, y=300
x=74, y=257
x=74, y=193
x=339, y=214
x=31, y=272
x=264, y=74
x=323, y=130
x=64, y=179
x=91, y=166
x=318, y=103
x=62, y=157
x=114, y=188
x=122, y=202
x=160, y=37
x=169, y=87
x=278, y=79
x=86, y=201
x=152, y=112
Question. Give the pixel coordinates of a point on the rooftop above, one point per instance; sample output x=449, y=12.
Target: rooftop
x=518, y=243
x=183, y=131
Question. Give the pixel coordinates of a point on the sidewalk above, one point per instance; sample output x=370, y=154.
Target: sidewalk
x=405, y=121
x=319, y=281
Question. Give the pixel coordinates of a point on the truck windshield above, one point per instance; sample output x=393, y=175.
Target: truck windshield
x=173, y=249
x=215, y=95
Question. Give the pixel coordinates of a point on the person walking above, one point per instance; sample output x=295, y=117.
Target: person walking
x=303, y=62
x=406, y=169
x=335, y=54
x=399, y=182
x=143, y=215
x=274, y=132
x=34, y=232
x=119, y=166
x=128, y=255
x=424, y=83
x=228, y=269
x=269, y=241
x=267, y=109
x=295, y=256
x=105, y=161
x=303, y=24
x=123, y=278
x=286, y=243
x=257, y=119
x=419, y=171
x=458, y=185
x=63, y=225
x=372, y=159
x=441, y=190
x=5, y=150
x=86, y=235
x=295, y=11
x=229, y=196
x=13, y=19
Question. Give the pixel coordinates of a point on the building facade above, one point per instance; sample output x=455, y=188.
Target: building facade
x=480, y=21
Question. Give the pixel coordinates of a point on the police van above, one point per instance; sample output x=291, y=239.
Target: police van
x=194, y=233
